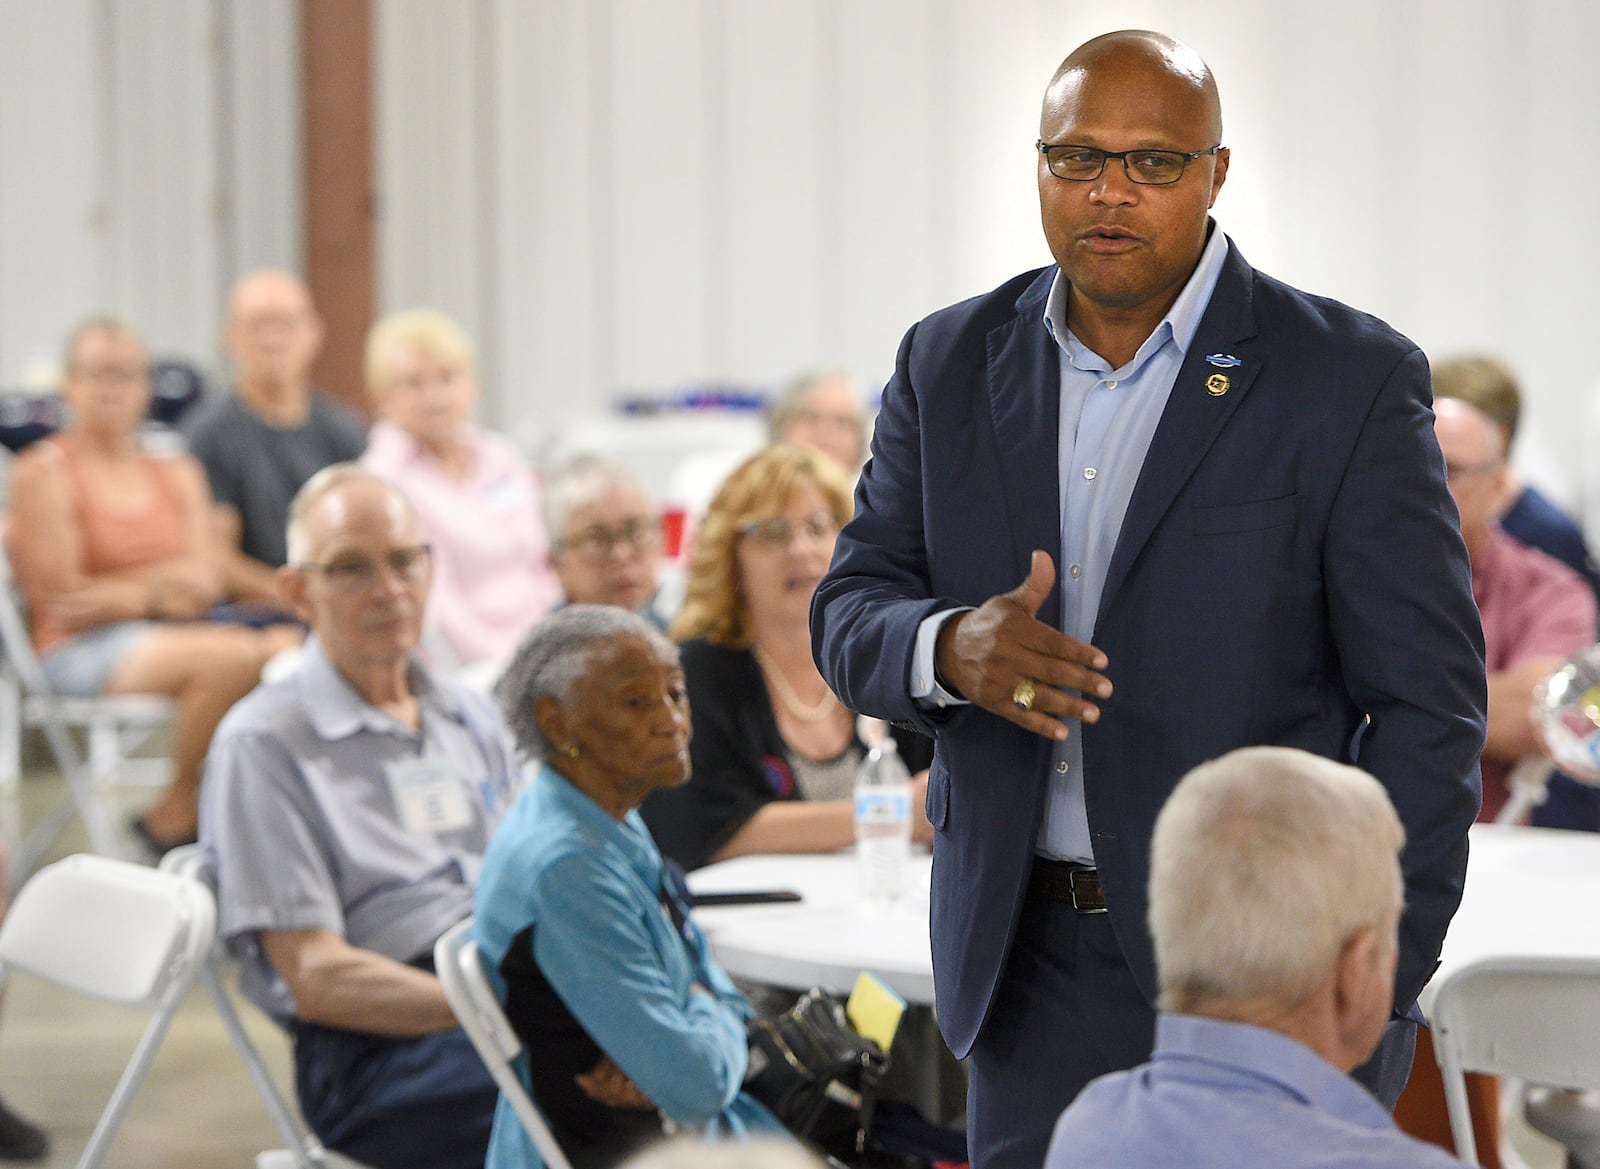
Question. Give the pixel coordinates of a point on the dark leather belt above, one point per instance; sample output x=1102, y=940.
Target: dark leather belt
x=1067, y=883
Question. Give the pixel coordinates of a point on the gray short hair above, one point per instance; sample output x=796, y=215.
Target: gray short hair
x=786, y=403
x=312, y=491
x=1263, y=864
x=555, y=655
x=580, y=481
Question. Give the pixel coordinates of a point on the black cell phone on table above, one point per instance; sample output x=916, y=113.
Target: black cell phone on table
x=745, y=897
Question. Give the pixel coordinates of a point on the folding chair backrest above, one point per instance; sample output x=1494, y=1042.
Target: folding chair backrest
x=110, y=929
x=460, y=970
x=1529, y=1018
x=14, y=639
x=31, y=690
x=119, y=932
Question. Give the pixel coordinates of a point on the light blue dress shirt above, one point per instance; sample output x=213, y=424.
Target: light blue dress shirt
x=591, y=886
x=1218, y=1095
x=1108, y=418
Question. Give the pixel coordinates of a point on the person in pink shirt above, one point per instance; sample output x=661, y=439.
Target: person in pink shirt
x=475, y=495
x=1536, y=611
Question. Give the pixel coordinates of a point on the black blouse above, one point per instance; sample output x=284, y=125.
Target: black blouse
x=739, y=762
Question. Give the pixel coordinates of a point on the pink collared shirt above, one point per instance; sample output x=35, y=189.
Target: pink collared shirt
x=491, y=577
x=1532, y=606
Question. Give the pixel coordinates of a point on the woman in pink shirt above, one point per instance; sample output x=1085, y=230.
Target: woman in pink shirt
x=475, y=495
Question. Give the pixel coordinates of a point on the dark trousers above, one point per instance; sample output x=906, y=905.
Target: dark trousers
x=1067, y=1010
x=419, y=1103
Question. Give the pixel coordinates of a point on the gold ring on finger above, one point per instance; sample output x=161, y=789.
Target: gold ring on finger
x=1024, y=694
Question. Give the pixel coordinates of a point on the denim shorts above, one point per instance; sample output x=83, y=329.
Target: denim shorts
x=81, y=666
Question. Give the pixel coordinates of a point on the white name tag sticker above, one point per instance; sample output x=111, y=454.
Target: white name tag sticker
x=430, y=796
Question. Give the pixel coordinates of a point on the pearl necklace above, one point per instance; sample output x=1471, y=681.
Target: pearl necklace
x=806, y=712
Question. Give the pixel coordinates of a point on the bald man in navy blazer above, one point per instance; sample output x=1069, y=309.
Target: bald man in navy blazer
x=1125, y=514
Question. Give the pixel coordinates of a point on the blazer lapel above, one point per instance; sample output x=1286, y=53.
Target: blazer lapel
x=1024, y=382
x=1196, y=412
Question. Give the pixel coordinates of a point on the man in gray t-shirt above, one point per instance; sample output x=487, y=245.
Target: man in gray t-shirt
x=259, y=445
x=345, y=812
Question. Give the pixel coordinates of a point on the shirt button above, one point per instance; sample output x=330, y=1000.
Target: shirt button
x=1112, y=384
x=1061, y=768
x=1090, y=473
x=1075, y=571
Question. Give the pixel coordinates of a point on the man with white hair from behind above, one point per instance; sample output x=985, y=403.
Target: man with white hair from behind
x=1275, y=897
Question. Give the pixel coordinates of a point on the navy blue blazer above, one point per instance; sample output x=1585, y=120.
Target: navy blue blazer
x=1290, y=571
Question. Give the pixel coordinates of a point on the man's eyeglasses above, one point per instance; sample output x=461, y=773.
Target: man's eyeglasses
x=636, y=535
x=357, y=574
x=1150, y=168
x=110, y=374
x=779, y=532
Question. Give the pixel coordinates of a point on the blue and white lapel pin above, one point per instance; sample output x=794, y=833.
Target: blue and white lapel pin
x=1217, y=384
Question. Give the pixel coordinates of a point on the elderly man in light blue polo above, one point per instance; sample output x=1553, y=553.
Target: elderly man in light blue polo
x=1275, y=896
x=345, y=811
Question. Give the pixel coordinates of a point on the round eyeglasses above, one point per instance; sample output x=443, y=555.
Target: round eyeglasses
x=1149, y=168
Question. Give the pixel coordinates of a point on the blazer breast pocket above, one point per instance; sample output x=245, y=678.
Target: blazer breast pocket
x=1256, y=515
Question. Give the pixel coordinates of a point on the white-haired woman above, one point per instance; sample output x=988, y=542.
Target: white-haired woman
x=606, y=536
x=475, y=495
x=626, y=1017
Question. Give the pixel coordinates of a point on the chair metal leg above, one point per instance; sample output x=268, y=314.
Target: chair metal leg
x=1455, y=1099
x=133, y=1075
x=10, y=727
x=80, y=797
x=303, y=1144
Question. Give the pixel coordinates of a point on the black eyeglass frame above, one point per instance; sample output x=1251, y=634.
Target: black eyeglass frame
x=1184, y=159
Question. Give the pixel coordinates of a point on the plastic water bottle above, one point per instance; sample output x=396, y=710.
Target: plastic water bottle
x=883, y=823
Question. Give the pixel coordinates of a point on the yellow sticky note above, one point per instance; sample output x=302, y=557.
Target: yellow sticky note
x=874, y=1010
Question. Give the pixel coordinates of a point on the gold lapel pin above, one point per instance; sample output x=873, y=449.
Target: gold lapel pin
x=1217, y=384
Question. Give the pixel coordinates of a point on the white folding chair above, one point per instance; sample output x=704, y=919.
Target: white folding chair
x=119, y=932
x=1532, y=1018
x=114, y=727
x=460, y=970
x=304, y=1150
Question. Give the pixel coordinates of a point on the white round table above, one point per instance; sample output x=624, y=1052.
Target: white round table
x=1531, y=892
x=828, y=937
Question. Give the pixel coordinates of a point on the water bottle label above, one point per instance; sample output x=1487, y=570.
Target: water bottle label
x=882, y=805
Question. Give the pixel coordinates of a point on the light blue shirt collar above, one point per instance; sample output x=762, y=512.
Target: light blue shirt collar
x=1181, y=322
x=555, y=793
x=337, y=711
x=1232, y=1049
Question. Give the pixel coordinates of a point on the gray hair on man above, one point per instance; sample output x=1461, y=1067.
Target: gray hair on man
x=555, y=655
x=1264, y=863
x=580, y=481
x=312, y=491
x=786, y=403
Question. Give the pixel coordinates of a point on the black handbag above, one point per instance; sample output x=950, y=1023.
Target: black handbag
x=816, y=1074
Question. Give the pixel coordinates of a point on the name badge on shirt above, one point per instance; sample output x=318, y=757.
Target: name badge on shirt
x=429, y=794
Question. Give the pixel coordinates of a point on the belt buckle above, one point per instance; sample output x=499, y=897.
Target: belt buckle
x=1094, y=902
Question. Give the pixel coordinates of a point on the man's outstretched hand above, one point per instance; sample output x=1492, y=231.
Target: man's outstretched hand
x=985, y=653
